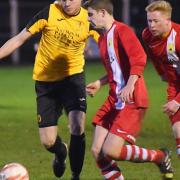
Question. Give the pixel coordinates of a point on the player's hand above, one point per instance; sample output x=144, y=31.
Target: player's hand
x=126, y=94
x=93, y=88
x=171, y=107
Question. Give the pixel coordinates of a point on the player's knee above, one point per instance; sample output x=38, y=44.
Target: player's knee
x=76, y=122
x=77, y=129
x=111, y=152
x=48, y=142
x=176, y=129
x=95, y=151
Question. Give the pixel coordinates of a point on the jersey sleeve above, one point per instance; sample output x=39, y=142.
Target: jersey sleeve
x=38, y=22
x=133, y=48
x=177, y=98
x=94, y=34
x=156, y=64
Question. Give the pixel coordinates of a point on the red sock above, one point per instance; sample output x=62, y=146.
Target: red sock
x=138, y=154
x=109, y=169
x=178, y=146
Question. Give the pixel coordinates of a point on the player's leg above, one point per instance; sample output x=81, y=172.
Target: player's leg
x=103, y=120
x=175, y=119
x=49, y=110
x=127, y=131
x=100, y=134
x=77, y=142
x=107, y=166
x=129, y=152
x=53, y=143
x=74, y=101
x=137, y=154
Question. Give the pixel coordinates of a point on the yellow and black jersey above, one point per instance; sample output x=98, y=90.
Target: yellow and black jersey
x=61, y=48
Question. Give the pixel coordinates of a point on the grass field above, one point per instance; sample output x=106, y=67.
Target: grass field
x=19, y=140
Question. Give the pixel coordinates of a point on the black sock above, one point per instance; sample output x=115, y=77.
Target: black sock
x=76, y=153
x=59, y=149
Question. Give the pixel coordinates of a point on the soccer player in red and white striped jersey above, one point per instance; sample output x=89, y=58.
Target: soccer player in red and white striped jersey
x=119, y=118
x=162, y=38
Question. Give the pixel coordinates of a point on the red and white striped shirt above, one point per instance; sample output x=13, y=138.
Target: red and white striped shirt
x=122, y=56
x=165, y=56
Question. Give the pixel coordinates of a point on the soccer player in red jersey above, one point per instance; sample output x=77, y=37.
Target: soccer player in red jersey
x=162, y=38
x=119, y=118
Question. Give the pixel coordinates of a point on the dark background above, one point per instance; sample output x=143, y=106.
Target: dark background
x=27, y=9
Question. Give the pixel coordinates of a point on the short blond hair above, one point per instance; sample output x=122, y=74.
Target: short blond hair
x=163, y=6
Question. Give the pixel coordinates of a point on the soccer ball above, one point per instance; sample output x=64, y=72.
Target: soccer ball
x=14, y=171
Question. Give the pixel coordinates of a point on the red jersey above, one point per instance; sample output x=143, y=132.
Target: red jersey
x=165, y=56
x=122, y=56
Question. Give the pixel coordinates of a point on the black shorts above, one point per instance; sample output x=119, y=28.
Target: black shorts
x=52, y=97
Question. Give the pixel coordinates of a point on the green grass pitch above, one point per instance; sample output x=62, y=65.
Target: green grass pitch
x=19, y=140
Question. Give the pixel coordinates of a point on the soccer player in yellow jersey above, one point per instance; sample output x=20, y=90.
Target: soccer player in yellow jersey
x=59, y=77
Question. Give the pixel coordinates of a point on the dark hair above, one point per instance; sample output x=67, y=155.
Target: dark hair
x=101, y=4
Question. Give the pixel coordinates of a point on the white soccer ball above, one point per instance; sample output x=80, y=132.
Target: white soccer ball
x=14, y=171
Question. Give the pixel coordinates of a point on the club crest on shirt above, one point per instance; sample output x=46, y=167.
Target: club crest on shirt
x=170, y=47
x=110, y=42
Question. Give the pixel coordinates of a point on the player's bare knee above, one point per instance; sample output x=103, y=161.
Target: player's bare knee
x=95, y=151
x=47, y=143
x=176, y=129
x=110, y=152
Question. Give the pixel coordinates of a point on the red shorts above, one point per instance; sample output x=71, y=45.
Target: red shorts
x=175, y=118
x=125, y=123
x=172, y=91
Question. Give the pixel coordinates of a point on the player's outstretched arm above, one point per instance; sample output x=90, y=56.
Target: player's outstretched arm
x=15, y=42
x=93, y=87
